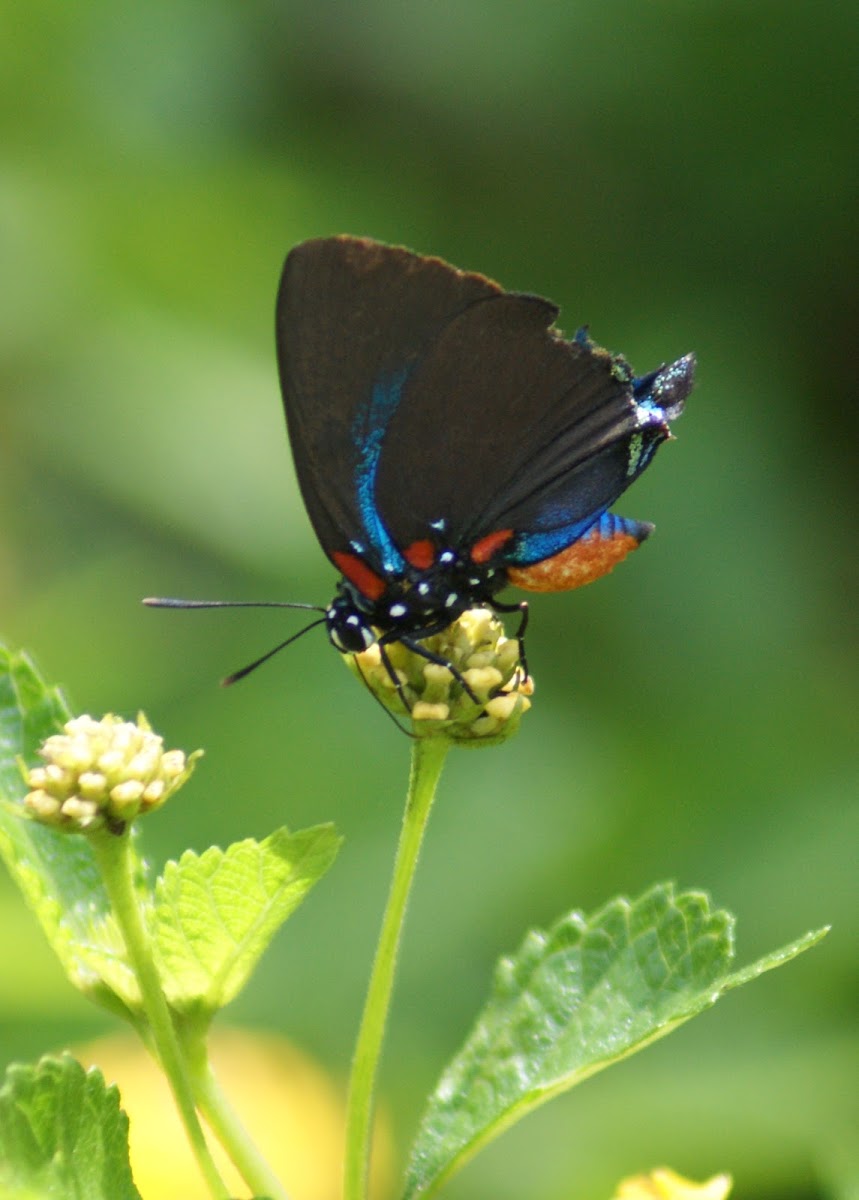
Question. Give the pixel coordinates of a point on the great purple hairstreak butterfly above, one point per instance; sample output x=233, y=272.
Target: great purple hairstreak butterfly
x=449, y=441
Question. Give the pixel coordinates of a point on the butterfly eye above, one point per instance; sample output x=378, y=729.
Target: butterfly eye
x=348, y=631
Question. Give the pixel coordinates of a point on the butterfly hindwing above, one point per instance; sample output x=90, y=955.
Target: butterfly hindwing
x=504, y=424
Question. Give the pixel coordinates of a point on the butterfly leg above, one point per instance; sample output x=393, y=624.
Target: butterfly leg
x=381, y=705
x=392, y=674
x=440, y=660
x=430, y=656
x=524, y=612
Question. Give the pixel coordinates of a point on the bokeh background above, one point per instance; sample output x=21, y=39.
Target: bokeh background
x=679, y=176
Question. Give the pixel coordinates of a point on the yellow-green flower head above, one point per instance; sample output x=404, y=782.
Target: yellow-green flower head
x=436, y=701
x=103, y=772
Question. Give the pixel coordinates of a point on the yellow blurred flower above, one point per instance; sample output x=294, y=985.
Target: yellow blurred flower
x=292, y=1109
x=665, y=1184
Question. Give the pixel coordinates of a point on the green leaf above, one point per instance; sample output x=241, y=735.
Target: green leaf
x=62, y=1134
x=30, y=711
x=572, y=1001
x=56, y=872
x=216, y=913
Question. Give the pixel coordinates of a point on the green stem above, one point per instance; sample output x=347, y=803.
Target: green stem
x=227, y=1127
x=428, y=756
x=114, y=860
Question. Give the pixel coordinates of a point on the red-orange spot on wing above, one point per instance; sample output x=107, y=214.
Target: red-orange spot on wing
x=483, y=550
x=420, y=554
x=367, y=582
x=581, y=563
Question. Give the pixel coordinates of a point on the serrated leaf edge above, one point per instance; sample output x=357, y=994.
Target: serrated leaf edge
x=218, y=994
x=539, y=1096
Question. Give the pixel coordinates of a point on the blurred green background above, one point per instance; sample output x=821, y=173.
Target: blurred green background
x=679, y=176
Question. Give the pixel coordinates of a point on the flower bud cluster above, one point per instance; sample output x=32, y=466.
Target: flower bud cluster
x=103, y=772
x=435, y=699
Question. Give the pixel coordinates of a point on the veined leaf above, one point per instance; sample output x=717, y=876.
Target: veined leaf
x=571, y=1001
x=216, y=913
x=62, y=1133
x=56, y=873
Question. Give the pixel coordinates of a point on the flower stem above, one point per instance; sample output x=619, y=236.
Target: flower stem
x=428, y=756
x=227, y=1127
x=114, y=859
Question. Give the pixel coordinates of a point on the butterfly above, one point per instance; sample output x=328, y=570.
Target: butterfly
x=450, y=441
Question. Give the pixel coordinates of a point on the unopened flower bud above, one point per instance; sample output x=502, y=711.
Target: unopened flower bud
x=173, y=764
x=483, y=679
x=79, y=812
x=422, y=711
x=42, y=806
x=103, y=773
x=91, y=784
x=154, y=792
x=125, y=795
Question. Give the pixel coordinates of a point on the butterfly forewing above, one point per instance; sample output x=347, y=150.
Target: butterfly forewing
x=353, y=318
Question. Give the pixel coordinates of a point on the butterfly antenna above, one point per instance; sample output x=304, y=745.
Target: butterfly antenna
x=170, y=602
x=237, y=675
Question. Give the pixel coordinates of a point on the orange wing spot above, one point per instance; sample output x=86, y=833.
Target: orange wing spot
x=483, y=550
x=367, y=582
x=420, y=554
x=581, y=563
